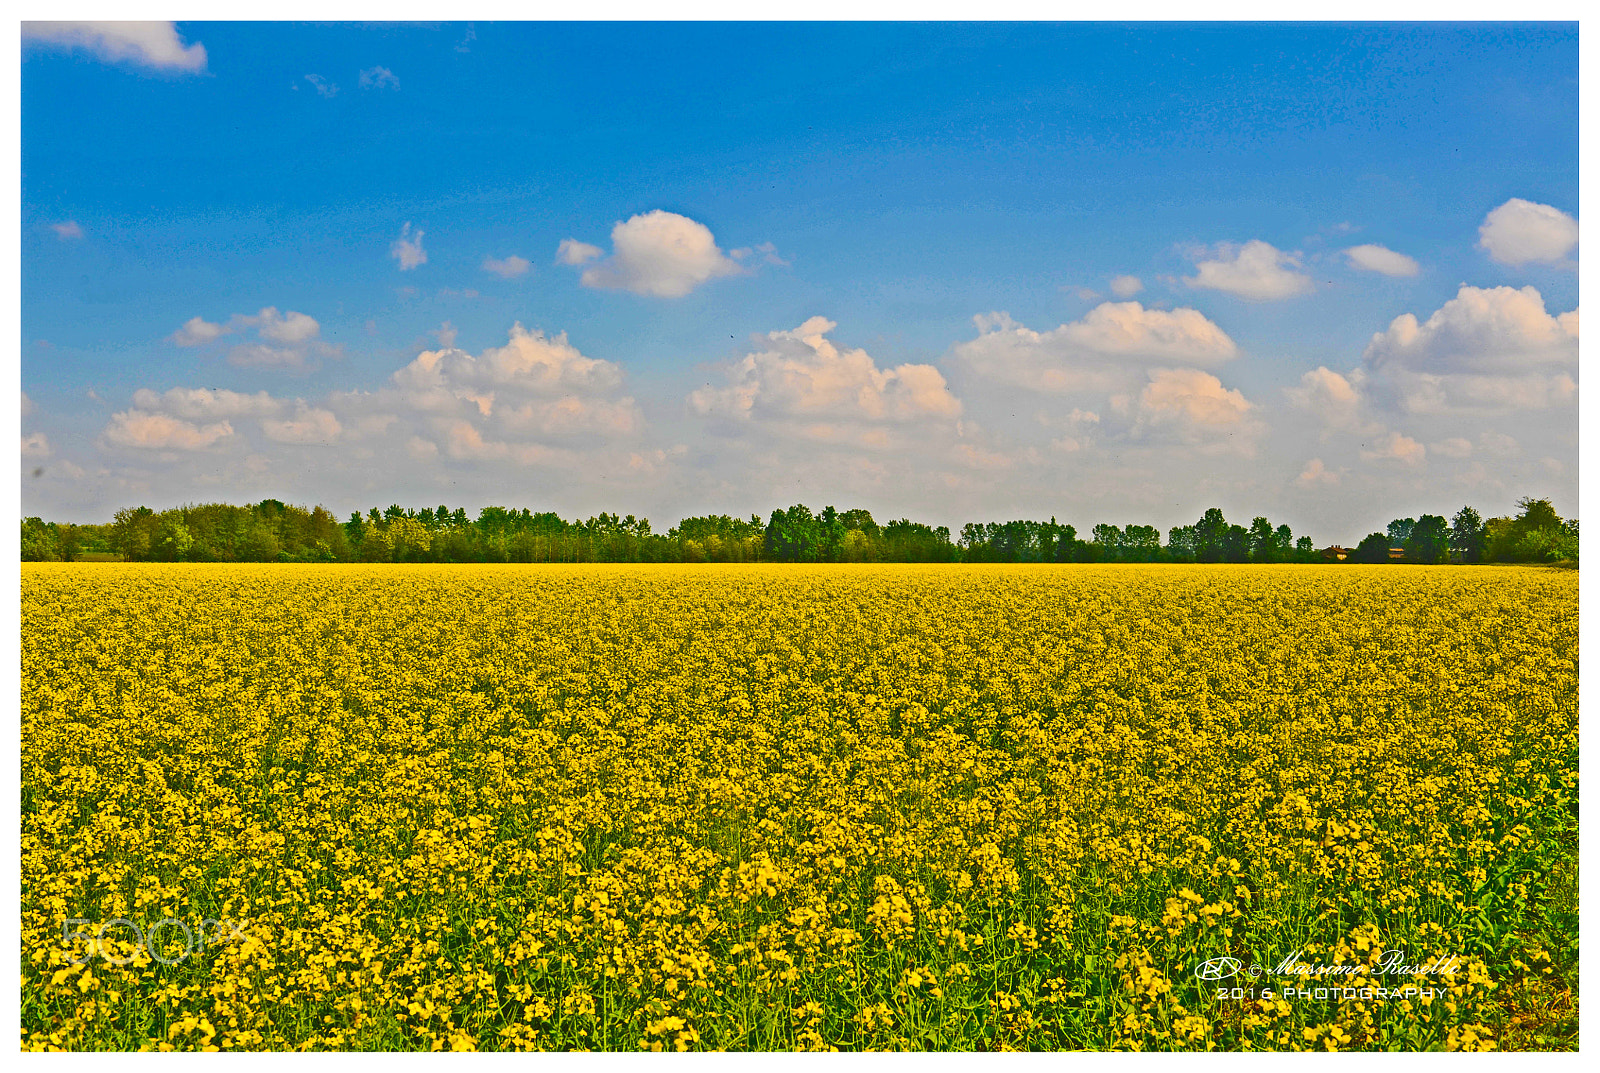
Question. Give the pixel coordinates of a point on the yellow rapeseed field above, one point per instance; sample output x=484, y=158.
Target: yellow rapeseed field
x=614, y=807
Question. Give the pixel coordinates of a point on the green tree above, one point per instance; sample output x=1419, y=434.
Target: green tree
x=830, y=535
x=352, y=530
x=258, y=544
x=39, y=541
x=856, y=548
x=862, y=520
x=69, y=542
x=1468, y=536
x=1547, y=545
x=175, y=542
x=906, y=541
x=1066, y=542
x=1282, y=544
x=1141, y=543
x=133, y=531
x=1260, y=539
x=1537, y=514
x=1208, y=536
x=1209, y=533
x=1374, y=548
x=1180, y=543
x=1236, y=544
x=375, y=544
x=1536, y=534
x=792, y=536
x=1109, y=537
x=408, y=540
x=1428, y=541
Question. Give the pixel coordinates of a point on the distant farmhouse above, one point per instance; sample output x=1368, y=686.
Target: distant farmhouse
x=1336, y=554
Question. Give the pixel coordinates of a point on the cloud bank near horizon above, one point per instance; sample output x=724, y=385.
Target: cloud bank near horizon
x=1099, y=407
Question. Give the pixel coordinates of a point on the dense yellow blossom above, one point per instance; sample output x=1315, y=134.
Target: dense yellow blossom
x=673, y=808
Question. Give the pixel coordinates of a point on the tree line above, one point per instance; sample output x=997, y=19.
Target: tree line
x=273, y=531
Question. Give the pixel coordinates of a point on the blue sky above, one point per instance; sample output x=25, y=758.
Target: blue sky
x=780, y=236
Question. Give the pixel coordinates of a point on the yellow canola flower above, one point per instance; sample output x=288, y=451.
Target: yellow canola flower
x=785, y=807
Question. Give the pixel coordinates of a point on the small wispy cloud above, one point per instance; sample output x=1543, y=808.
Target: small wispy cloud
x=573, y=252
x=322, y=85
x=288, y=340
x=506, y=267
x=768, y=252
x=379, y=78
x=407, y=249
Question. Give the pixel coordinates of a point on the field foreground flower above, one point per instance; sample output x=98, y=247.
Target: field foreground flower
x=785, y=807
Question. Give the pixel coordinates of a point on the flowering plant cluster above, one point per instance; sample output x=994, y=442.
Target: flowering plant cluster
x=776, y=807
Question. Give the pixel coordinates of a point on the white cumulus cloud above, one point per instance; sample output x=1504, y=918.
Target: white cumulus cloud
x=530, y=361
x=536, y=387
x=1316, y=474
x=289, y=328
x=1394, y=447
x=206, y=404
x=1103, y=351
x=67, y=230
x=506, y=267
x=1256, y=271
x=801, y=382
x=197, y=331
x=1373, y=258
x=1487, y=348
x=1126, y=286
x=154, y=45
x=1329, y=395
x=800, y=386
x=573, y=252
x=1194, y=397
x=657, y=253
x=1520, y=232
x=158, y=431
